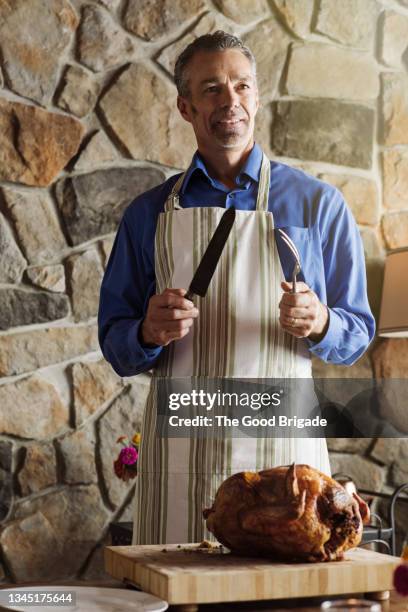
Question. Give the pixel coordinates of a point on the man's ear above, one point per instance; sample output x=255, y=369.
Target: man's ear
x=183, y=106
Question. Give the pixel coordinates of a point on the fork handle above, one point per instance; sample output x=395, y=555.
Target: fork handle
x=294, y=289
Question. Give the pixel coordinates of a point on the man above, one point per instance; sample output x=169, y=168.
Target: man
x=250, y=324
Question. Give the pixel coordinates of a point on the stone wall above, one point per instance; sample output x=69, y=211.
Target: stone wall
x=88, y=121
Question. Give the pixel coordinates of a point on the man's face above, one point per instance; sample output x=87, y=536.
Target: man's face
x=223, y=99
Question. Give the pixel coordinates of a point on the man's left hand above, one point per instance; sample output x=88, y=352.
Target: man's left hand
x=302, y=314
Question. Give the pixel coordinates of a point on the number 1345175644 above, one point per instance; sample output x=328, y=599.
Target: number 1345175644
x=43, y=598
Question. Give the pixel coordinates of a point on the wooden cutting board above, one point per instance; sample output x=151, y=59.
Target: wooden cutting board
x=188, y=575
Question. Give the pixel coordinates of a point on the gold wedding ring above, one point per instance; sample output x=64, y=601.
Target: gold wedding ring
x=293, y=322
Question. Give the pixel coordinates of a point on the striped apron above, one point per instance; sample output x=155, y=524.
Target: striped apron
x=236, y=335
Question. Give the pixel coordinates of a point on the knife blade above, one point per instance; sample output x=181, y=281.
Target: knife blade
x=206, y=268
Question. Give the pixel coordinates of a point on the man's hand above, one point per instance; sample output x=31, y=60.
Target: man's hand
x=302, y=314
x=169, y=317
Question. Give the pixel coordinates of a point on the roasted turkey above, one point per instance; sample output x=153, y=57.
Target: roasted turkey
x=292, y=513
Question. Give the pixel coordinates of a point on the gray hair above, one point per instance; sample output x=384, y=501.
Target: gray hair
x=219, y=41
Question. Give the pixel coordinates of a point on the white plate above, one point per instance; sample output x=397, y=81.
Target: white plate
x=93, y=599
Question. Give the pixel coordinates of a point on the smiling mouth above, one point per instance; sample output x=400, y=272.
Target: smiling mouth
x=229, y=121
x=226, y=124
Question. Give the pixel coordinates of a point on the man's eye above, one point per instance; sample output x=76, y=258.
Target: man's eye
x=243, y=86
x=212, y=88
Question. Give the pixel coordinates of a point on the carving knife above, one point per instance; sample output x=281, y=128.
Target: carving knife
x=206, y=268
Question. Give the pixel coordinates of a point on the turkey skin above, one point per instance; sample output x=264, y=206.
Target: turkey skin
x=289, y=513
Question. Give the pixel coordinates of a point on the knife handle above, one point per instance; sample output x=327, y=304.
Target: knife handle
x=189, y=295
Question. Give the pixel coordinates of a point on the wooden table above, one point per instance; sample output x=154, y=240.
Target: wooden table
x=186, y=576
x=396, y=603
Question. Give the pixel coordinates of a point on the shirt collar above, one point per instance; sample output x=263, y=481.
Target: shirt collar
x=251, y=168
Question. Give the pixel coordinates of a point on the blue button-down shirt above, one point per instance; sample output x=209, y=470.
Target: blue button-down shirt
x=313, y=213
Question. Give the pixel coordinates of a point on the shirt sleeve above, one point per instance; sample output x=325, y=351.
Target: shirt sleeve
x=128, y=284
x=351, y=323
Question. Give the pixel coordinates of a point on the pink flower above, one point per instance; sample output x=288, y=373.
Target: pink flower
x=401, y=579
x=128, y=455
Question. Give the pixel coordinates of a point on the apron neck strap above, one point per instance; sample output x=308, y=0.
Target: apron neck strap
x=173, y=199
x=263, y=187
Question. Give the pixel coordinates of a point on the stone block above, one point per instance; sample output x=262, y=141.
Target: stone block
x=395, y=229
x=6, y=455
x=127, y=511
x=269, y=43
x=395, y=108
x=394, y=39
x=39, y=470
x=54, y=534
x=35, y=144
x=102, y=44
x=371, y=244
x=324, y=130
x=31, y=55
x=361, y=195
x=400, y=464
x=245, y=11
x=85, y=276
x=124, y=108
x=95, y=568
x=6, y=478
x=79, y=91
x=78, y=452
x=25, y=351
x=152, y=20
x=32, y=548
x=98, y=151
x=31, y=408
x=326, y=71
x=31, y=213
x=263, y=129
x=350, y=22
x=385, y=450
x=111, y=5
x=361, y=369
x=106, y=248
x=122, y=419
x=365, y=473
x=390, y=358
x=51, y=278
x=296, y=14
x=395, y=179
x=93, y=204
x=375, y=275
x=349, y=445
x=12, y=262
x=209, y=23
x=21, y=307
x=94, y=383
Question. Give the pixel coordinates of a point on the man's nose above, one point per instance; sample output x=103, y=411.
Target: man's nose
x=230, y=97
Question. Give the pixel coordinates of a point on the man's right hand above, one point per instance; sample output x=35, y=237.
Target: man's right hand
x=169, y=317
